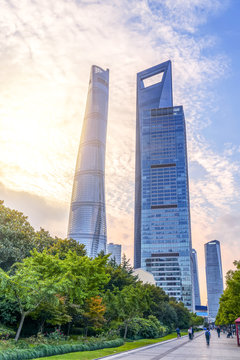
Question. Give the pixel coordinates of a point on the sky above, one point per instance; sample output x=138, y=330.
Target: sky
x=46, y=51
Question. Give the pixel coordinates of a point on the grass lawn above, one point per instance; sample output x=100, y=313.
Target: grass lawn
x=88, y=355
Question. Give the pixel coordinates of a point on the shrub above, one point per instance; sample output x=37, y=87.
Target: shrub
x=145, y=328
x=56, y=335
x=49, y=350
x=6, y=332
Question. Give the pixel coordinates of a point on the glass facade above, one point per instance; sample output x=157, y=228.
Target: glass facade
x=214, y=276
x=87, y=220
x=162, y=237
x=116, y=252
x=195, y=278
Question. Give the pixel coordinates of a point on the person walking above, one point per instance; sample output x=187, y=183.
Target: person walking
x=207, y=336
x=190, y=333
x=218, y=331
x=178, y=332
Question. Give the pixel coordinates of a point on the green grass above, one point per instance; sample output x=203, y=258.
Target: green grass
x=88, y=355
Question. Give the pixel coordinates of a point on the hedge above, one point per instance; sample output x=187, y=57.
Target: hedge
x=49, y=350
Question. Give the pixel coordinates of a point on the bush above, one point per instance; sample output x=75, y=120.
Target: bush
x=6, y=332
x=56, y=335
x=145, y=328
x=49, y=350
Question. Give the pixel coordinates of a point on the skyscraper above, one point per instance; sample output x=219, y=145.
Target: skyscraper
x=214, y=276
x=162, y=234
x=116, y=251
x=195, y=278
x=87, y=220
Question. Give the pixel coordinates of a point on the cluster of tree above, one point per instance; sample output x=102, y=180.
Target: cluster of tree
x=51, y=281
x=229, y=308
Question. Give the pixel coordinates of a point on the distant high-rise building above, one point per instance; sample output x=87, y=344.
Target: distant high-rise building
x=87, y=220
x=214, y=276
x=115, y=250
x=195, y=278
x=162, y=239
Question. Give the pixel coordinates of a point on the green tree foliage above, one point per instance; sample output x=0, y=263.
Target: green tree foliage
x=32, y=284
x=60, y=247
x=183, y=314
x=119, y=277
x=16, y=237
x=126, y=304
x=45, y=279
x=196, y=320
x=229, y=308
x=8, y=311
x=53, y=281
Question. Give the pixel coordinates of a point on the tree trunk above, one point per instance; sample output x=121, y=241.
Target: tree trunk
x=68, y=330
x=125, y=332
x=20, y=326
x=41, y=326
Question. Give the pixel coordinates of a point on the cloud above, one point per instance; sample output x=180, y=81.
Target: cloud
x=40, y=212
x=46, y=50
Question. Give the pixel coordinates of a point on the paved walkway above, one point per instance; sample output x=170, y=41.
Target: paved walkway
x=183, y=349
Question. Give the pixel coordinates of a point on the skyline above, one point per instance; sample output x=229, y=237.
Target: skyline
x=45, y=68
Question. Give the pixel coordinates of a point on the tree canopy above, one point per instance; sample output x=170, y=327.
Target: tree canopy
x=51, y=281
x=229, y=308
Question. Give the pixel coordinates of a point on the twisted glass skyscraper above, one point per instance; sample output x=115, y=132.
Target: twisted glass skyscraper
x=87, y=220
x=162, y=237
x=214, y=276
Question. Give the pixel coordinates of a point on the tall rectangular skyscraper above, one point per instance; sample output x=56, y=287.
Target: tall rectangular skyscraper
x=116, y=252
x=214, y=276
x=162, y=234
x=87, y=220
x=195, y=278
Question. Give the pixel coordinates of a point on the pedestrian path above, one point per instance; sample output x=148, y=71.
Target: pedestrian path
x=184, y=349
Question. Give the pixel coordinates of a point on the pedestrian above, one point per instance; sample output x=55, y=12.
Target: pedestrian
x=178, y=332
x=190, y=333
x=207, y=336
x=218, y=331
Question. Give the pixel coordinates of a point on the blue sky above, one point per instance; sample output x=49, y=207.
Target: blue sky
x=46, y=51
x=225, y=27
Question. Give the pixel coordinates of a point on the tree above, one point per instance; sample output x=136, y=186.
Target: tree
x=120, y=275
x=125, y=264
x=158, y=306
x=42, y=240
x=229, y=308
x=32, y=284
x=183, y=314
x=131, y=303
x=94, y=314
x=196, y=320
x=16, y=237
x=61, y=247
